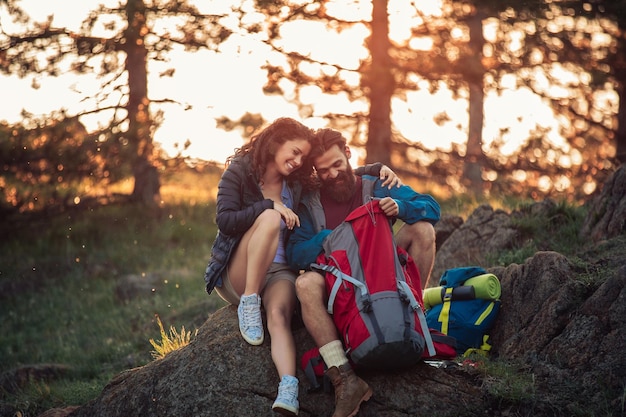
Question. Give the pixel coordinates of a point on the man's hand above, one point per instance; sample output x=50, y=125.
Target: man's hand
x=389, y=207
x=389, y=178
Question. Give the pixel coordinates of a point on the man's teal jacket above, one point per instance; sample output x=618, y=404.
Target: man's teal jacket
x=305, y=242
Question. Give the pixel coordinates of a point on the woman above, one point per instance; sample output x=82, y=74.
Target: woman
x=255, y=200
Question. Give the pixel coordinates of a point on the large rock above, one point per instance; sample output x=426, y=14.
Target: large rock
x=219, y=374
x=445, y=227
x=606, y=217
x=568, y=325
x=486, y=231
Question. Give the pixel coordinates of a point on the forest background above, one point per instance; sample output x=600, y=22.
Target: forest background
x=567, y=55
x=68, y=253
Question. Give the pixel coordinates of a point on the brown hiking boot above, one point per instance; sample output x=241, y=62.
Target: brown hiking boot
x=350, y=390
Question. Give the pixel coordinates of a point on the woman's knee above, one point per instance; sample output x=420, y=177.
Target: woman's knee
x=278, y=316
x=269, y=218
x=266, y=227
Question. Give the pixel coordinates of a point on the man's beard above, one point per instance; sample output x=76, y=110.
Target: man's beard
x=342, y=187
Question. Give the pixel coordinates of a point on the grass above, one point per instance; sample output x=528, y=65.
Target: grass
x=464, y=204
x=509, y=383
x=59, y=278
x=554, y=229
x=170, y=341
x=58, y=303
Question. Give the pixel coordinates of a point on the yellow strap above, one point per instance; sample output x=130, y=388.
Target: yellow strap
x=483, y=350
x=485, y=313
x=485, y=346
x=444, y=316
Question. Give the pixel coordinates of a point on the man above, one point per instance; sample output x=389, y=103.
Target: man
x=320, y=212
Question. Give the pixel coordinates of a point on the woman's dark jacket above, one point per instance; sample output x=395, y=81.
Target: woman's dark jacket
x=239, y=202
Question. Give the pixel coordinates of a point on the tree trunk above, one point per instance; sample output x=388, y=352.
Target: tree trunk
x=474, y=158
x=472, y=168
x=380, y=82
x=620, y=75
x=620, y=134
x=147, y=186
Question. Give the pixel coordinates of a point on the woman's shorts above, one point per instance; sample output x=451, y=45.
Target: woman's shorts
x=276, y=271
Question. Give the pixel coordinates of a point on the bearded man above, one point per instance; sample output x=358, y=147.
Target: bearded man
x=322, y=210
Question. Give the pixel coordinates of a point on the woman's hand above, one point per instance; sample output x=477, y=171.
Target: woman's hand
x=389, y=178
x=291, y=219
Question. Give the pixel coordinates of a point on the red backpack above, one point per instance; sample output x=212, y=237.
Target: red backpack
x=374, y=294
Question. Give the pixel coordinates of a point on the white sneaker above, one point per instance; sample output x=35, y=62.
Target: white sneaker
x=250, y=322
x=287, y=402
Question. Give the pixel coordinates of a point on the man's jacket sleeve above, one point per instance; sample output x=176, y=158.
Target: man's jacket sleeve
x=304, y=245
x=369, y=169
x=413, y=206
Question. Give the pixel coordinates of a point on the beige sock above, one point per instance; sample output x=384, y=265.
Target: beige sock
x=333, y=354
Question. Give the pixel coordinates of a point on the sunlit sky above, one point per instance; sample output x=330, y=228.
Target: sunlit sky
x=230, y=84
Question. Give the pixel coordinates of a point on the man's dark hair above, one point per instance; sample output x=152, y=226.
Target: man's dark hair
x=324, y=140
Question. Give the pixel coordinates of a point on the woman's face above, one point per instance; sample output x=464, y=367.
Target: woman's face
x=290, y=155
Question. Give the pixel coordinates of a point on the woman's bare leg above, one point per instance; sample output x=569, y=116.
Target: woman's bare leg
x=279, y=301
x=249, y=264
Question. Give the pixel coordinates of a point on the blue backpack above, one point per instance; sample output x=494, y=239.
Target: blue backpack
x=464, y=306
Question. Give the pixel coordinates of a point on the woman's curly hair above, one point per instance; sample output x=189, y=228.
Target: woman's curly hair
x=263, y=146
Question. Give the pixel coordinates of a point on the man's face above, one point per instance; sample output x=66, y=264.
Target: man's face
x=335, y=174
